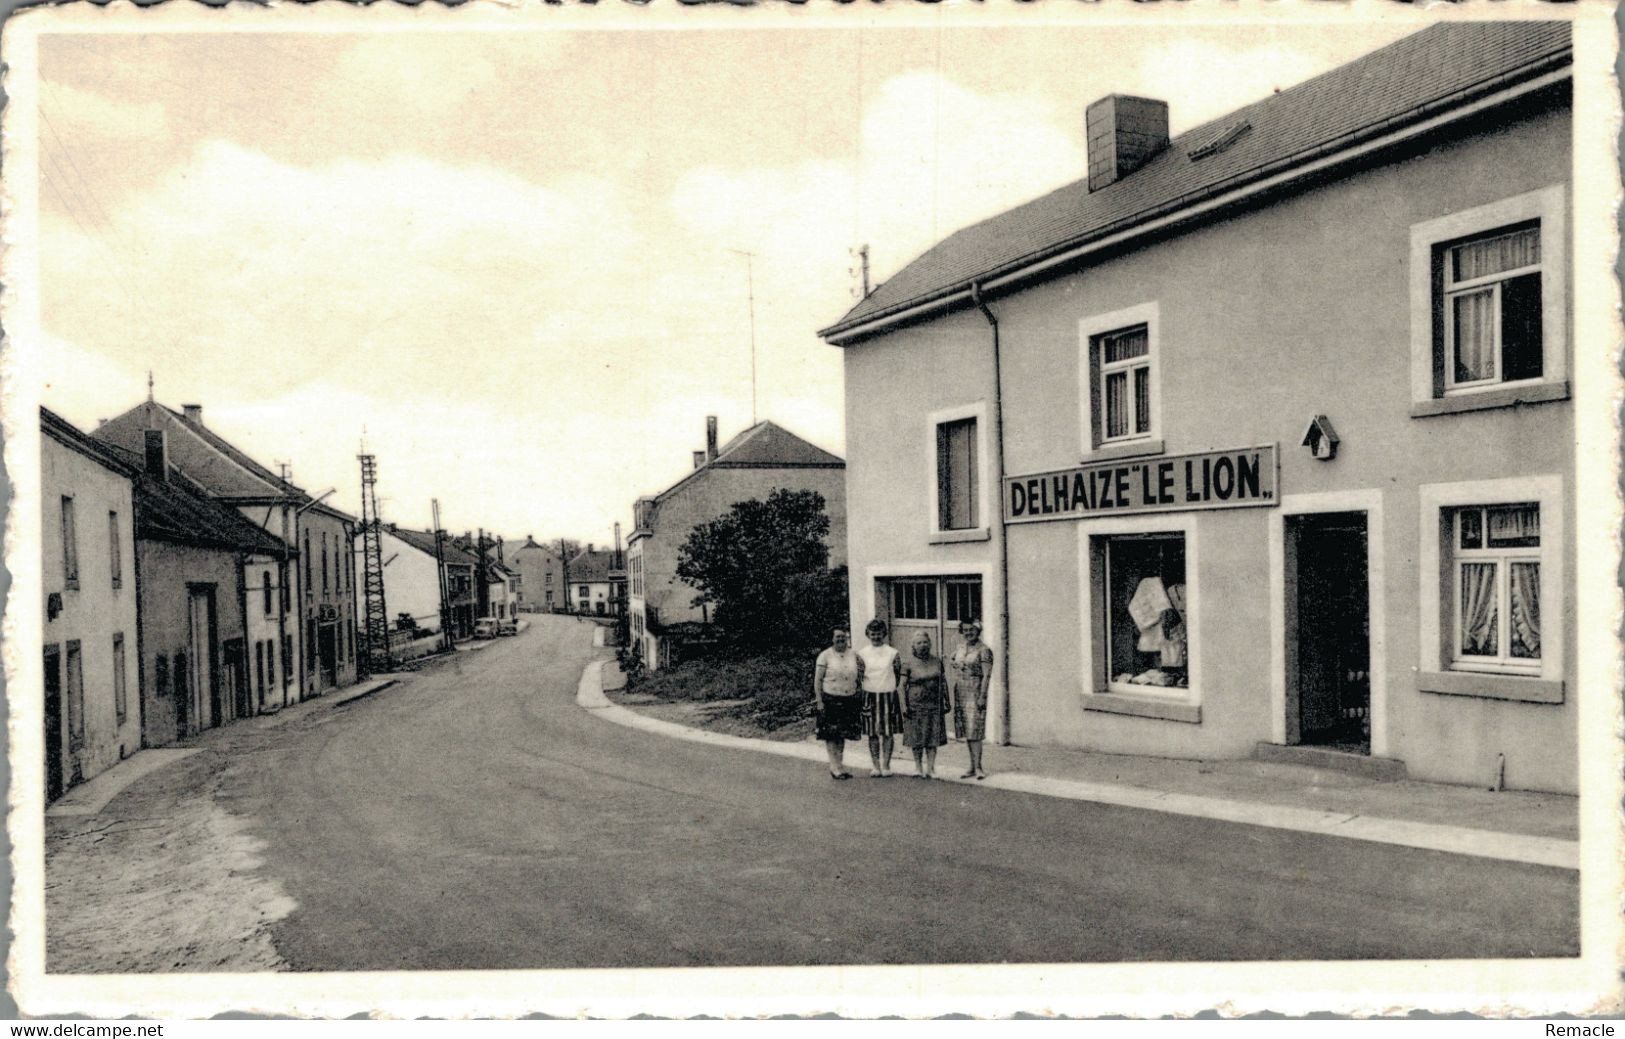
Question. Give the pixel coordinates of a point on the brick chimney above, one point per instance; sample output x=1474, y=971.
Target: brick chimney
x=699, y=459
x=193, y=413
x=710, y=438
x=1123, y=134
x=156, y=442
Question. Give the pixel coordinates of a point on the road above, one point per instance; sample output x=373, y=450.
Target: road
x=474, y=817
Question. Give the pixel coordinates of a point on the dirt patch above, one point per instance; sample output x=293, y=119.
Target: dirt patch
x=729, y=717
x=163, y=879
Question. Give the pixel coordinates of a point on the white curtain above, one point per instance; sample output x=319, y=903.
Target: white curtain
x=1478, y=615
x=1516, y=524
x=1494, y=255
x=1526, y=610
x=1116, y=404
x=1474, y=335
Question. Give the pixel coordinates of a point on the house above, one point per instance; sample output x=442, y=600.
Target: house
x=540, y=571
x=412, y=579
x=502, y=586
x=196, y=560
x=314, y=627
x=92, y=703
x=1258, y=440
x=591, y=583
x=760, y=460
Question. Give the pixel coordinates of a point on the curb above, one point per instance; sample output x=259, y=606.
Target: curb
x=1456, y=840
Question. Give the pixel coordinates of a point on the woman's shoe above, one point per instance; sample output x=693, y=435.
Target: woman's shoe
x=875, y=773
x=971, y=774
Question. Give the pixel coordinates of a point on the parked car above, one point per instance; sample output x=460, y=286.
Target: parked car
x=485, y=628
x=507, y=626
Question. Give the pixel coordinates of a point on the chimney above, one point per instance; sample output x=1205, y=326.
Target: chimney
x=710, y=438
x=1123, y=134
x=157, y=450
x=193, y=413
x=699, y=459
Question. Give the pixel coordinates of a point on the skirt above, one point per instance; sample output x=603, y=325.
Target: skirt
x=882, y=714
x=970, y=716
x=924, y=725
x=841, y=718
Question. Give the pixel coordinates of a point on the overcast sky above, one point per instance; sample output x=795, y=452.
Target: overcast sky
x=508, y=257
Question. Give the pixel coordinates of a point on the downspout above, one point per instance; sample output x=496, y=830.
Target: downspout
x=1004, y=530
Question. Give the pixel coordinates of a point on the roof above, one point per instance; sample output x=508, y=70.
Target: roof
x=210, y=459
x=1439, y=68
x=178, y=509
x=592, y=567
x=70, y=436
x=766, y=445
x=423, y=541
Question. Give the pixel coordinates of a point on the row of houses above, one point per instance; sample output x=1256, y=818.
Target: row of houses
x=1258, y=439
x=186, y=586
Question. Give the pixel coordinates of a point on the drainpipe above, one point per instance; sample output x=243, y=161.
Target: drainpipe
x=1004, y=530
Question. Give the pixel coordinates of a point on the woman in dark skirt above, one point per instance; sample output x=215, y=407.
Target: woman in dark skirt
x=925, y=701
x=836, y=700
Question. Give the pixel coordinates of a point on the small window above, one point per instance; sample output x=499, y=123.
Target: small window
x=70, y=545
x=160, y=675
x=962, y=599
x=1145, y=613
x=115, y=552
x=956, y=475
x=76, y=695
x=1496, y=574
x=1490, y=308
x=268, y=592
x=309, y=588
x=1124, y=357
x=585, y=591
x=121, y=699
x=914, y=600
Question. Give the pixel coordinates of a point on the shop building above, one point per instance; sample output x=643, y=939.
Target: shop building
x=762, y=459
x=1265, y=429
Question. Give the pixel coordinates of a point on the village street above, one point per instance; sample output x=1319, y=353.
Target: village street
x=473, y=816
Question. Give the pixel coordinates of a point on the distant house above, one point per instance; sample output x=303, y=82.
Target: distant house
x=541, y=574
x=502, y=591
x=313, y=623
x=764, y=458
x=591, y=584
x=92, y=703
x=196, y=560
x=412, y=579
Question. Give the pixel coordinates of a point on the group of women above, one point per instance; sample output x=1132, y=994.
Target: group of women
x=875, y=692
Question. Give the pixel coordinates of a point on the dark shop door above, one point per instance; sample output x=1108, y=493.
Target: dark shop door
x=53, y=724
x=328, y=653
x=1333, y=632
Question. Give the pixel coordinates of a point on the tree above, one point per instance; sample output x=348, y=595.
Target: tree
x=753, y=566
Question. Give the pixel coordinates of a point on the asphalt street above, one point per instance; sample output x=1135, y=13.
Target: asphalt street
x=475, y=817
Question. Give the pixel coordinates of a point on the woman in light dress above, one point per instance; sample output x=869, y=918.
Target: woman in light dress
x=839, y=709
x=925, y=701
x=882, y=714
x=971, y=670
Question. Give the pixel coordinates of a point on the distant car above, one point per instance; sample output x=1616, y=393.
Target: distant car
x=485, y=628
x=508, y=627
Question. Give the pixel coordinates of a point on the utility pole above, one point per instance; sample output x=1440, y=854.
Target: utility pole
x=372, y=569
x=750, y=291
x=564, y=563
x=483, y=579
x=440, y=567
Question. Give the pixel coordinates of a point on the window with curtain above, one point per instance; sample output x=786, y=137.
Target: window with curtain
x=956, y=475
x=1123, y=358
x=1496, y=561
x=1491, y=308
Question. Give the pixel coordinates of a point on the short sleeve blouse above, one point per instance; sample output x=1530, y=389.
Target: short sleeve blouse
x=840, y=671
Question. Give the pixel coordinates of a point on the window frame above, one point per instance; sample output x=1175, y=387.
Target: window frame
x=1092, y=371
x=979, y=529
x=69, y=525
x=1449, y=290
x=1503, y=662
x=73, y=692
x=121, y=687
x=1434, y=390
x=115, y=549
x=1437, y=668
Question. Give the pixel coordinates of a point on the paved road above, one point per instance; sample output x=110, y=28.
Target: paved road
x=474, y=817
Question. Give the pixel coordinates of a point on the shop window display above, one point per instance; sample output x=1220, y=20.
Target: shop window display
x=1145, y=624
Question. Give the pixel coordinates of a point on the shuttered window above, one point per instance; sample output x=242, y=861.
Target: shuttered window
x=956, y=475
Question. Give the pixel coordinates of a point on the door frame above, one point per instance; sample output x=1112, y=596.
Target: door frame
x=55, y=780
x=1370, y=503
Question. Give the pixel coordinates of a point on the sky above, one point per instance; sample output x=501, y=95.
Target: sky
x=511, y=263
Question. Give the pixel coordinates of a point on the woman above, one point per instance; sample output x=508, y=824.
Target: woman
x=925, y=701
x=836, y=678
x=972, y=669
x=882, y=716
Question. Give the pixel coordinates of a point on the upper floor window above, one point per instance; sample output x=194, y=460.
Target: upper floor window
x=1489, y=311
x=267, y=591
x=115, y=550
x=1119, y=380
x=956, y=475
x=70, y=545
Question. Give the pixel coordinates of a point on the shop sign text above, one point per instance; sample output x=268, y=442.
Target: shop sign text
x=1171, y=483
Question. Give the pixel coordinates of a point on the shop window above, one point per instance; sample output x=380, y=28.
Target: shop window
x=1143, y=620
x=1496, y=599
x=121, y=696
x=115, y=553
x=70, y=545
x=956, y=475
x=1488, y=306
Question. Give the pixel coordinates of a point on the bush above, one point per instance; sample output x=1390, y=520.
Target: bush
x=776, y=686
x=630, y=657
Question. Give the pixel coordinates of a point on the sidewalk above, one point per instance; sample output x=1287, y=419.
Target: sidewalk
x=1521, y=827
x=91, y=796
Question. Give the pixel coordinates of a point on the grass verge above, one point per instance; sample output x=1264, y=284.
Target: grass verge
x=769, y=695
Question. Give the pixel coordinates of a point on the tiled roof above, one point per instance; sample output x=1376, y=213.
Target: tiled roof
x=423, y=541
x=180, y=510
x=592, y=567
x=1436, y=69
x=71, y=436
x=766, y=445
